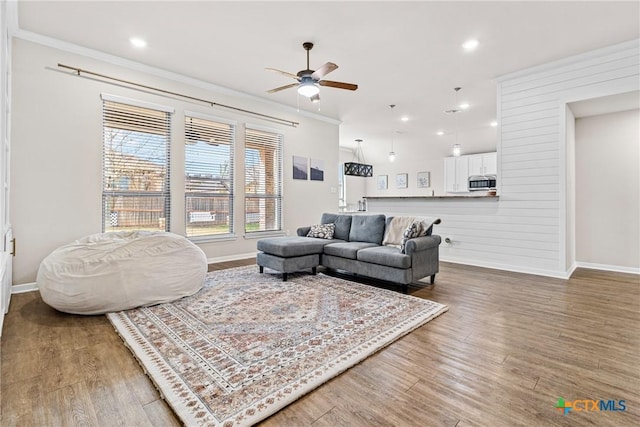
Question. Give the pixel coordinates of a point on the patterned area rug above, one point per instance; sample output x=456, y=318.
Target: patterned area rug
x=249, y=344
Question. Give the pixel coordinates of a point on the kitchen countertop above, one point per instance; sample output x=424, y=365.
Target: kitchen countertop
x=484, y=197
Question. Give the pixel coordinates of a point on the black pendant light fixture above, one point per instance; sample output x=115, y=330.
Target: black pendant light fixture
x=359, y=168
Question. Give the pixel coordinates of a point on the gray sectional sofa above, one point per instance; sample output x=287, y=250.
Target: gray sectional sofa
x=356, y=247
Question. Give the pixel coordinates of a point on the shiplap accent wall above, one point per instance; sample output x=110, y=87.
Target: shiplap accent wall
x=529, y=228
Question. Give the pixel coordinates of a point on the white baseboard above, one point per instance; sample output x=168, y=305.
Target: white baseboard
x=497, y=266
x=25, y=287
x=605, y=267
x=235, y=257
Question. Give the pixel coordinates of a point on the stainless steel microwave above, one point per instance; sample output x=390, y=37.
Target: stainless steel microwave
x=482, y=182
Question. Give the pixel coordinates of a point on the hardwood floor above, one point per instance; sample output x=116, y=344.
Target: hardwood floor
x=509, y=347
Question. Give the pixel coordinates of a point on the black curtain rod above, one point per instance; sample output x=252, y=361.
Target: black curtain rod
x=192, y=98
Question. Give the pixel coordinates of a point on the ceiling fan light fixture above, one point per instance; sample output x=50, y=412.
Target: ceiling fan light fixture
x=308, y=88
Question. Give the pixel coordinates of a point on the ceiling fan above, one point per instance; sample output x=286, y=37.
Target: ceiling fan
x=309, y=80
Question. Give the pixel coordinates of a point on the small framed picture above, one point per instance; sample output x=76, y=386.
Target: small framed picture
x=423, y=180
x=300, y=166
x=383, y=182
x=401, y=180
x=316, y=169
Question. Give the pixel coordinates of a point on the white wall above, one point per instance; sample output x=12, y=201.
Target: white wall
x=528, y=228
x=608, y=189
x=534, y=183
x=56, y=158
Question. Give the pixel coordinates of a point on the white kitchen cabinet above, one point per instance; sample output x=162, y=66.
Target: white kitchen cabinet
x=483, y=164
x=456, y=174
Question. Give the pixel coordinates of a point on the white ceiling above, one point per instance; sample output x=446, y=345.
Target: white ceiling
x=403, y=53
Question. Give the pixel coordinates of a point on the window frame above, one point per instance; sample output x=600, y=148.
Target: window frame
x=232, y=194
x=108, y=110
x=277, y=174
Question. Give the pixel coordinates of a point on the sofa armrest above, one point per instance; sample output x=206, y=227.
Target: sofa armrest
x=422, y=243
x=303, y=231
x=425, y=256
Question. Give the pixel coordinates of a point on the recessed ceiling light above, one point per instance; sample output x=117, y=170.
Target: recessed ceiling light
x=440, y=133
x=464, y=106
x=470, y=44
x=404, y=118
x=494, y=124
x=138, y=42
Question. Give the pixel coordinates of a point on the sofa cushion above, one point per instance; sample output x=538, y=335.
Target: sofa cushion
x=415, y=229
x=385, y=255
x=367, y=228
x=394, y=229
x=322, y=231
x=292, y=246
x=347, y=249
x=342, y=222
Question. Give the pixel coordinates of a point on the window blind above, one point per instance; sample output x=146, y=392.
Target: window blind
x=209, y=147
x=135, y=168
x=263, y=181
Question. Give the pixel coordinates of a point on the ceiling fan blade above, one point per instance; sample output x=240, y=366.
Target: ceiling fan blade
x=278, y=89
x=339, y=85
x=315, y=98
x=323, y=71
x=284, y=73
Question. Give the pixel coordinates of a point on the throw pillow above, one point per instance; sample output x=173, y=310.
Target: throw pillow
x=415, y=229
x=322, y=231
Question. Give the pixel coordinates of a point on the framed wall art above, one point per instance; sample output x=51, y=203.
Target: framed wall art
x=316, y=170
x=424, y=180
x=401, y=180
x=300, y=167
x=383, y=182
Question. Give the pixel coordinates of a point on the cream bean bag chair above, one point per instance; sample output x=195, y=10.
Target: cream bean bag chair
x=116, y=271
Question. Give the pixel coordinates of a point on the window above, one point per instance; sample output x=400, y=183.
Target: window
x=135, y=166
x=263, y=181
x=208, y=175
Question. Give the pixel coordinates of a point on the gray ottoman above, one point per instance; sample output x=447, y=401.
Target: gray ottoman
x=289, y=254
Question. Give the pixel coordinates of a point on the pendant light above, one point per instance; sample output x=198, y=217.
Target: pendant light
x=392, y=154
x=359, y=168
x=456, y=150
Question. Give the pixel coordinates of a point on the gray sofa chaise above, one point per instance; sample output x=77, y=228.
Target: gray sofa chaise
x=356, y=247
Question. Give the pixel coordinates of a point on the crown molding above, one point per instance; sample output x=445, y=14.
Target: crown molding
x=158, y=72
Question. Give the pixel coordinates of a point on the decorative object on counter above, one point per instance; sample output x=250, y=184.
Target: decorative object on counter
x=300, y=167
x=316, y=170
x=359, y=168
x=424, y=180
x=383, y=182
x=401, y=180
x=362, y=205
